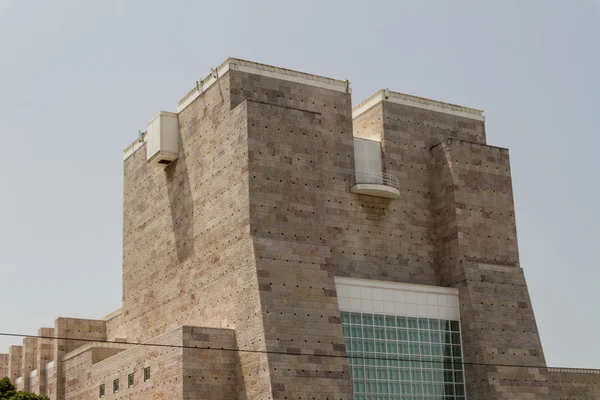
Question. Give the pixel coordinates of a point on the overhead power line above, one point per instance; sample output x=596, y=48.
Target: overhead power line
x=285, y=353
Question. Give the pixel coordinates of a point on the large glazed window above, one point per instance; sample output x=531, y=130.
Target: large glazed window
x=394, y=357
x=403, y=342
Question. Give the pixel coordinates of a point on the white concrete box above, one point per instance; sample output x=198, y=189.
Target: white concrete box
x=162, y=139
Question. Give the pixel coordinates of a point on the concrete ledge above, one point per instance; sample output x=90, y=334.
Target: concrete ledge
x=575, y=370
x=112, y=315
x=373, y=189
x=418, y=102
x=264, y=70
x=97, y=345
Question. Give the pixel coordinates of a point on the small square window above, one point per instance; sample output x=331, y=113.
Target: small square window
x=115, y=386
x=130, y=380
x=146, y=374
x=102, y=390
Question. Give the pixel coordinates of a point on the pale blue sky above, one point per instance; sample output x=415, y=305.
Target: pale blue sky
x=79, y=78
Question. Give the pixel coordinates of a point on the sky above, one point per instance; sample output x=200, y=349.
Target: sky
x=79, y=79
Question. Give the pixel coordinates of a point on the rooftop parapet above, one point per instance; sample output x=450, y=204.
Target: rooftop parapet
x=264, y=70
x=574, y=370
x=415, y=101
x=252, y=68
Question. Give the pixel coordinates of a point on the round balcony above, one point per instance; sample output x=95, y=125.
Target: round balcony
x=380, y=185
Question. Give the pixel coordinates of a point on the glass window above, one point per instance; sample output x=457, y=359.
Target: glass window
x=392, y=357
x=115, y=386
x=102, y=390
x=130, y=380
x=146, y=374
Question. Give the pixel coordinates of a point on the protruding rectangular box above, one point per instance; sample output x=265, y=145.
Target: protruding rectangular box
x=162, y=139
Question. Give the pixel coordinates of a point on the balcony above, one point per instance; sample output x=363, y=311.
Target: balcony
x=379, y=185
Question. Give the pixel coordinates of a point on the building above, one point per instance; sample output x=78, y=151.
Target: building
x=321, y=251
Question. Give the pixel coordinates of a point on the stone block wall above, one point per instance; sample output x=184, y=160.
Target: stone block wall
x=473, y=190
x=71, y=333
x=188, y=363
x=300, y=147
x=574, y=384
x=188, y=257
x=115, y=329
x=4, y=365
x=45, y=354
x=247, y=230
x=477, y=253
x=369, y=125
x=208, y=371
x=29, y=361
x=15, y=362
x=84, y=376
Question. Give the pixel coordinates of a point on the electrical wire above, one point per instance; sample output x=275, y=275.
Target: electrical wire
x=286, y=353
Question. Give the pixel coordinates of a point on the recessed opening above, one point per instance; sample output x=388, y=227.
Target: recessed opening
x=166, y=162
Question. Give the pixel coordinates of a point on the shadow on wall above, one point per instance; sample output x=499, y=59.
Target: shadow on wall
x=182, y=207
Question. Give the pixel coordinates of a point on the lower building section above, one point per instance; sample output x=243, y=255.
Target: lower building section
x=401, y=342
x=573, y=383
x=187, y=363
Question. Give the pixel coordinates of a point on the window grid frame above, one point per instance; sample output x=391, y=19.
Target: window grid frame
x=421, y=371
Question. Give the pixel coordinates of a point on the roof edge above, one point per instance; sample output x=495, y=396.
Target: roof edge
x=416, y=101
x=264, y=70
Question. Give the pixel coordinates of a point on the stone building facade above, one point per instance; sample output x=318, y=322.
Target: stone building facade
x=300, y=248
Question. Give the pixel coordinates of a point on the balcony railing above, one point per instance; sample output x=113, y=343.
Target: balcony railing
x=376, y=179
x=380, y=185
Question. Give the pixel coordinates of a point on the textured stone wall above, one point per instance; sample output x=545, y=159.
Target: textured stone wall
x=114, y=326
x=574, y=384
x=84, y=376
x=71, y=333
x=300, y=143
x=246, y=231
x=188, y=256
x=3, y=365
x=177, y=372
x=477, y=253
x=15, y=362
x=29, y=360
x=45, y=354
x=209, y=373
x=308, y=227
x=369, y=124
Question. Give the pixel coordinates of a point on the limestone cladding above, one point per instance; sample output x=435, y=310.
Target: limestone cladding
x=71, y=333
x=45, y=354
x=188, y=255
x=4, y=365
x=571, y=383
x=29, y=359
x=178, y=370
x=238, y=243
x=15, y=362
